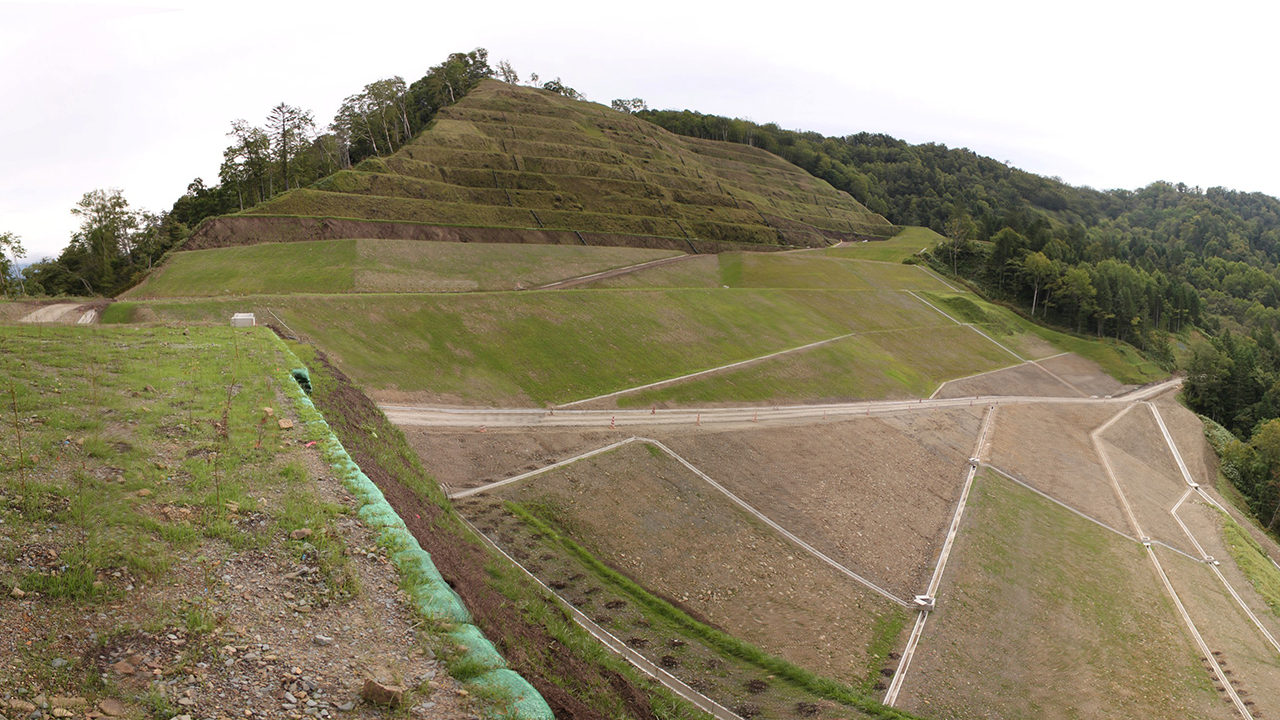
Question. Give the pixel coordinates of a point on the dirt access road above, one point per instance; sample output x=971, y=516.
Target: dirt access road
x=58, y=312
x=605, y=275
x=746, y=416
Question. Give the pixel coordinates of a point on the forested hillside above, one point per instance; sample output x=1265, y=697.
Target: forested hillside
x=1139, y=265
x=1224, y=243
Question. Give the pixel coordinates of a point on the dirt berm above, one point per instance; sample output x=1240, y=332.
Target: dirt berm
x=252, y=230
x=528, y=647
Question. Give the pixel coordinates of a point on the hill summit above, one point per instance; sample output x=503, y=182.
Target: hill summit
x=509, y=163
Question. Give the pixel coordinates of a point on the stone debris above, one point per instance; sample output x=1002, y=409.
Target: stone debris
x=379, y=694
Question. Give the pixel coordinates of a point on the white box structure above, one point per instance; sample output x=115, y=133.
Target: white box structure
x=243, y=320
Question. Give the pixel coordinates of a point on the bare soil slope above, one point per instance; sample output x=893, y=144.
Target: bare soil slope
x=874, y=494
x=1045, y=615
x=1146, y=471
x=1252, y=666
x=1048, y=447
x=1084, y=374
x=644, y=513
x=1021, y=379
x=465, y=459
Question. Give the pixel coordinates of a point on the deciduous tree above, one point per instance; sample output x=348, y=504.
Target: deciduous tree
x=290, y=129
x=1039, y=272
x=106, y=227
x=11, y=251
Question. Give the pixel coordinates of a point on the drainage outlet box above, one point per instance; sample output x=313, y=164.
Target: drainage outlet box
x=243, y=320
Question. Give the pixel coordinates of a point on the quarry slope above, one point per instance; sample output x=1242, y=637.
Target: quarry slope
x=542, y=168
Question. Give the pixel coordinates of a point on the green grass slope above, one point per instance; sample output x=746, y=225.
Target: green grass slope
x=1043, y=614
x=557, y=346
x=656, y=324
x=362, y=266
x=910, y=241
x=508, y=156
x=1118, y=360
x=780, y=270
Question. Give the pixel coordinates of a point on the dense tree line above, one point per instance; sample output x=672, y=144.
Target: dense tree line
x=1141, y=265
x=113, y=247
x=1235, y=380
x=116, y=244
x=1223, y=244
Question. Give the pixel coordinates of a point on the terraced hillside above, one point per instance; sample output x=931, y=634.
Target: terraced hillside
x=791, y=484
x=724, y=329
x=527, y=165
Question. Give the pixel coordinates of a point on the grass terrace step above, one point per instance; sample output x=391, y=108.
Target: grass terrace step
x=521, y=158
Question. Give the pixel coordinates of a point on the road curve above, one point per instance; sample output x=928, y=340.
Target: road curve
x=769, y=414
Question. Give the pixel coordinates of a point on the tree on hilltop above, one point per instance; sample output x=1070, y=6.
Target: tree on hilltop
x=246, y=163
x=446, y=84
x=508, y=74
x=558, y=87
x=374, y=121
x=290, y=129
x=634, y=105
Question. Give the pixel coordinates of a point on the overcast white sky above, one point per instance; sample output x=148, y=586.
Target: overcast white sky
x=1107, y=94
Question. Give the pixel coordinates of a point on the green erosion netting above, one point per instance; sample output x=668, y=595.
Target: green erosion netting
x=303, y=378
x=432, y=597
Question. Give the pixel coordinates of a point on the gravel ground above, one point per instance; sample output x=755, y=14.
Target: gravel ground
x=281, y=640
x=1024, y=379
